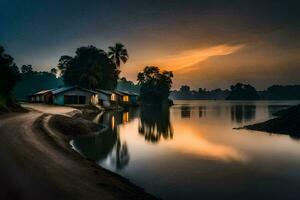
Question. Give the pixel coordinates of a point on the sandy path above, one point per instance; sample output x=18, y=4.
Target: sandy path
x=34, y=166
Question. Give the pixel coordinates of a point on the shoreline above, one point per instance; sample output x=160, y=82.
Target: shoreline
x=286, y=122
x=71, y=175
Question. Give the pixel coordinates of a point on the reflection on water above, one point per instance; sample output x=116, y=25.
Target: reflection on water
x=191, y=150
x=107, y=145
x=242, y=113
x=185, y=111
x=202, y=111
x=155, y=124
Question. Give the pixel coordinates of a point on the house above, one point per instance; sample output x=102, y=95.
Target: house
x=40, y=97
x=133, y=98
x=126, y=98
x=75, y=95
x=121, y=97
x=72, y=95
x=106, y=98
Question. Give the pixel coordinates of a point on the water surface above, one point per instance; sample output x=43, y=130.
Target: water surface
x=191, y=150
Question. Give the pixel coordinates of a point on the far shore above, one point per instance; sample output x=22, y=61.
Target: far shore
x=38, y=161
x=287, y=122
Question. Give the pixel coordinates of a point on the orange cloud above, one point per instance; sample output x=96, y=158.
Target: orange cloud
x=188, y=58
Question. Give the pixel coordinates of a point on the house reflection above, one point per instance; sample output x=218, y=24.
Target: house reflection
x=155, y=123
x=185, y=111
x=202, y=111
x=242, y=113
x=107, y=145
x=125, y=117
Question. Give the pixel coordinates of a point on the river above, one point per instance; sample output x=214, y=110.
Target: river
x=191, y=150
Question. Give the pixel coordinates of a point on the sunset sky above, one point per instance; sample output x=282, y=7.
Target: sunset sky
x=205, y=43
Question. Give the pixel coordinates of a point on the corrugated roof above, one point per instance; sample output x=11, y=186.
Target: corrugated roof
x=119, y=93
x=42, y=92
x=107, y=92
x=65, y=89
x=127, y=93
x=134, y=94
x=62, y=89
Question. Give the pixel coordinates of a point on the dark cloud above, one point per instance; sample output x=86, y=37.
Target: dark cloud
x=38, y=32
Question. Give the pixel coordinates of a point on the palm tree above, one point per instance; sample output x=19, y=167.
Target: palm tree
x=53, y=71
x=118, y=53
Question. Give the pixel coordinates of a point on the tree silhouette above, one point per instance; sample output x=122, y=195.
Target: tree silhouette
x=118, y=53
x=185, y=88
x=90, y=68
x=53, y=71
x=9, y=75
x=242, y=91
x=26, y=69
x=63, y=64
x=155, y=85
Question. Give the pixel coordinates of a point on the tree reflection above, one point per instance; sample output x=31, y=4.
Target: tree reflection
x=107, y=144
x=120, y=155
x=202, y=111
x=185, y=111
x=242, y=113
x=155, y=123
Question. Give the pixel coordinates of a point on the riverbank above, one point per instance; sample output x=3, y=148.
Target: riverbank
x=286, y=122
x=37, y=162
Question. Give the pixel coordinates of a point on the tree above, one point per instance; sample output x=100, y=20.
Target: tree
x=31, y=83
x=90, y=68
x=155, y=85
x=242, y=91
x=118, y=53
x=9, y=75
x=26, y=69
x=63, y=64
x=53, y=71
x=127, y=85
x=185, y=88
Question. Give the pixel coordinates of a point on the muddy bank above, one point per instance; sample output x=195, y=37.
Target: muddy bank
x=74, y=125
x=52, y=168
x=287, y=122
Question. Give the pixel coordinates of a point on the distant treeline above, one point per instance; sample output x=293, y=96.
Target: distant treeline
x=238, y=92
x=186, y=94
x=280, y=92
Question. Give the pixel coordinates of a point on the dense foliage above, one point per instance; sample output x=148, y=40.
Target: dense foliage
x=33, y=81
x=126, y=85
x=242, y=91
x=155, y=85
x=90, y=68
x=8, y=77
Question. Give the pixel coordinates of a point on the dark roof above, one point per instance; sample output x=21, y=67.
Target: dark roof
x=42, y=92
x=56, y=91
x=66, y=89
x=119, y=93
x=62, y=89
x=127, y=93
x=107, y=92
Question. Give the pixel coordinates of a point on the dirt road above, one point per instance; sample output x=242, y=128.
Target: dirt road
x=34, y=166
